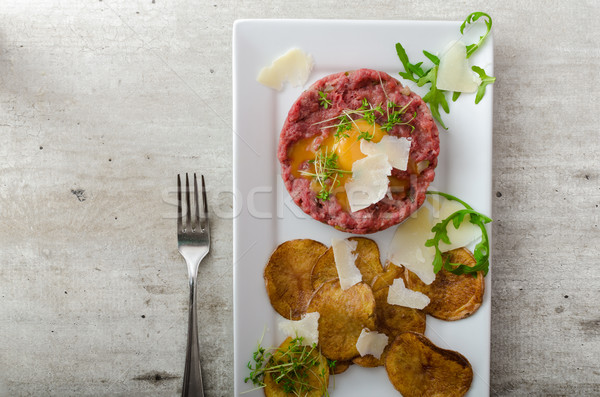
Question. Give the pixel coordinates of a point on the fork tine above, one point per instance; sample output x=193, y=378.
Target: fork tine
x=179, y=210
x=197, y=220
x=188, y=215
x=204, y=201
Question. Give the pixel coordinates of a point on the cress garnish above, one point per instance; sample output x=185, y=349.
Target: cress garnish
x=369, y=113
x=436, y=97
x=326, y=172
x=482, y=249
x=289, y=367
x=323, y=101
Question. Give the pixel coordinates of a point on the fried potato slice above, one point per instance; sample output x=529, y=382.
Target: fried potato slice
x=315, y=377
x=370, y=361
x=343, y=315
x=287, y=276
x=324, y=269
x=392, y=320
x=367, y=262
x=386, y=278
x=453, y=297
x=416, y=367
x=339, y=367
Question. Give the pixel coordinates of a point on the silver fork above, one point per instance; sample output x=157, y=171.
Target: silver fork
x=193, y=239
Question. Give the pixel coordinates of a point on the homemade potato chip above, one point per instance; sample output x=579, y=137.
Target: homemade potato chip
x=324, y=269
x=310, y=380
x=418, y=368
x=453, y=297
x=339, y=367
x=344, y=314
x=393, y=319
x=287, y=276
x=367, y=262
x=370, y=361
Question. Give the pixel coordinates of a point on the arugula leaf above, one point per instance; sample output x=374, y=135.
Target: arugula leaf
x=471, y=48
x=435, y=97
x=482, y=249
x=485, y=81
x=432, y=58
x=411, y=70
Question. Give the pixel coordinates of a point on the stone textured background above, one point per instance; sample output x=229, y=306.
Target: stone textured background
x=103, y=102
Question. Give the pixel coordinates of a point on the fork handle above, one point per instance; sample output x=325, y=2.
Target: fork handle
x=192, y=375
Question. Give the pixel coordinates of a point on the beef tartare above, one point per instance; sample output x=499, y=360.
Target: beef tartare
x=320, y=142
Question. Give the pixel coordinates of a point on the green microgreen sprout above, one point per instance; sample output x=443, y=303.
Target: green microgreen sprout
x=395, y=117
x=436, y=98
x=391, y=115
x=326, y=172
x=365, y=135
x=344, y=124
x=482, y=249
x=323, y=101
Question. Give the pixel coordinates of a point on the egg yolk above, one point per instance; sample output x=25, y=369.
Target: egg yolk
x=346, y=146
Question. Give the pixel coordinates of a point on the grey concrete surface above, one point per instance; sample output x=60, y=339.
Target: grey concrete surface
x=103, y=102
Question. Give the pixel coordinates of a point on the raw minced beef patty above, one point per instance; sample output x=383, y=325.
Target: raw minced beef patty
x=346, y=90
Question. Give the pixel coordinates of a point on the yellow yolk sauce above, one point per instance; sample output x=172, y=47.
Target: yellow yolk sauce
x=347, y=149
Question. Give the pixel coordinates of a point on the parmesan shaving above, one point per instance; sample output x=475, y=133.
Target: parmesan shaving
x=294, y=66
x=454, y=73
x=345, y=260
x=396, y=149
x=371, y=342
x=307, y=328
x=369, y=182
x=399, y=295
x=408, y=245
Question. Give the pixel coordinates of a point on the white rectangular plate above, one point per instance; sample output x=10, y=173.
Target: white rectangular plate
x=264, y=214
